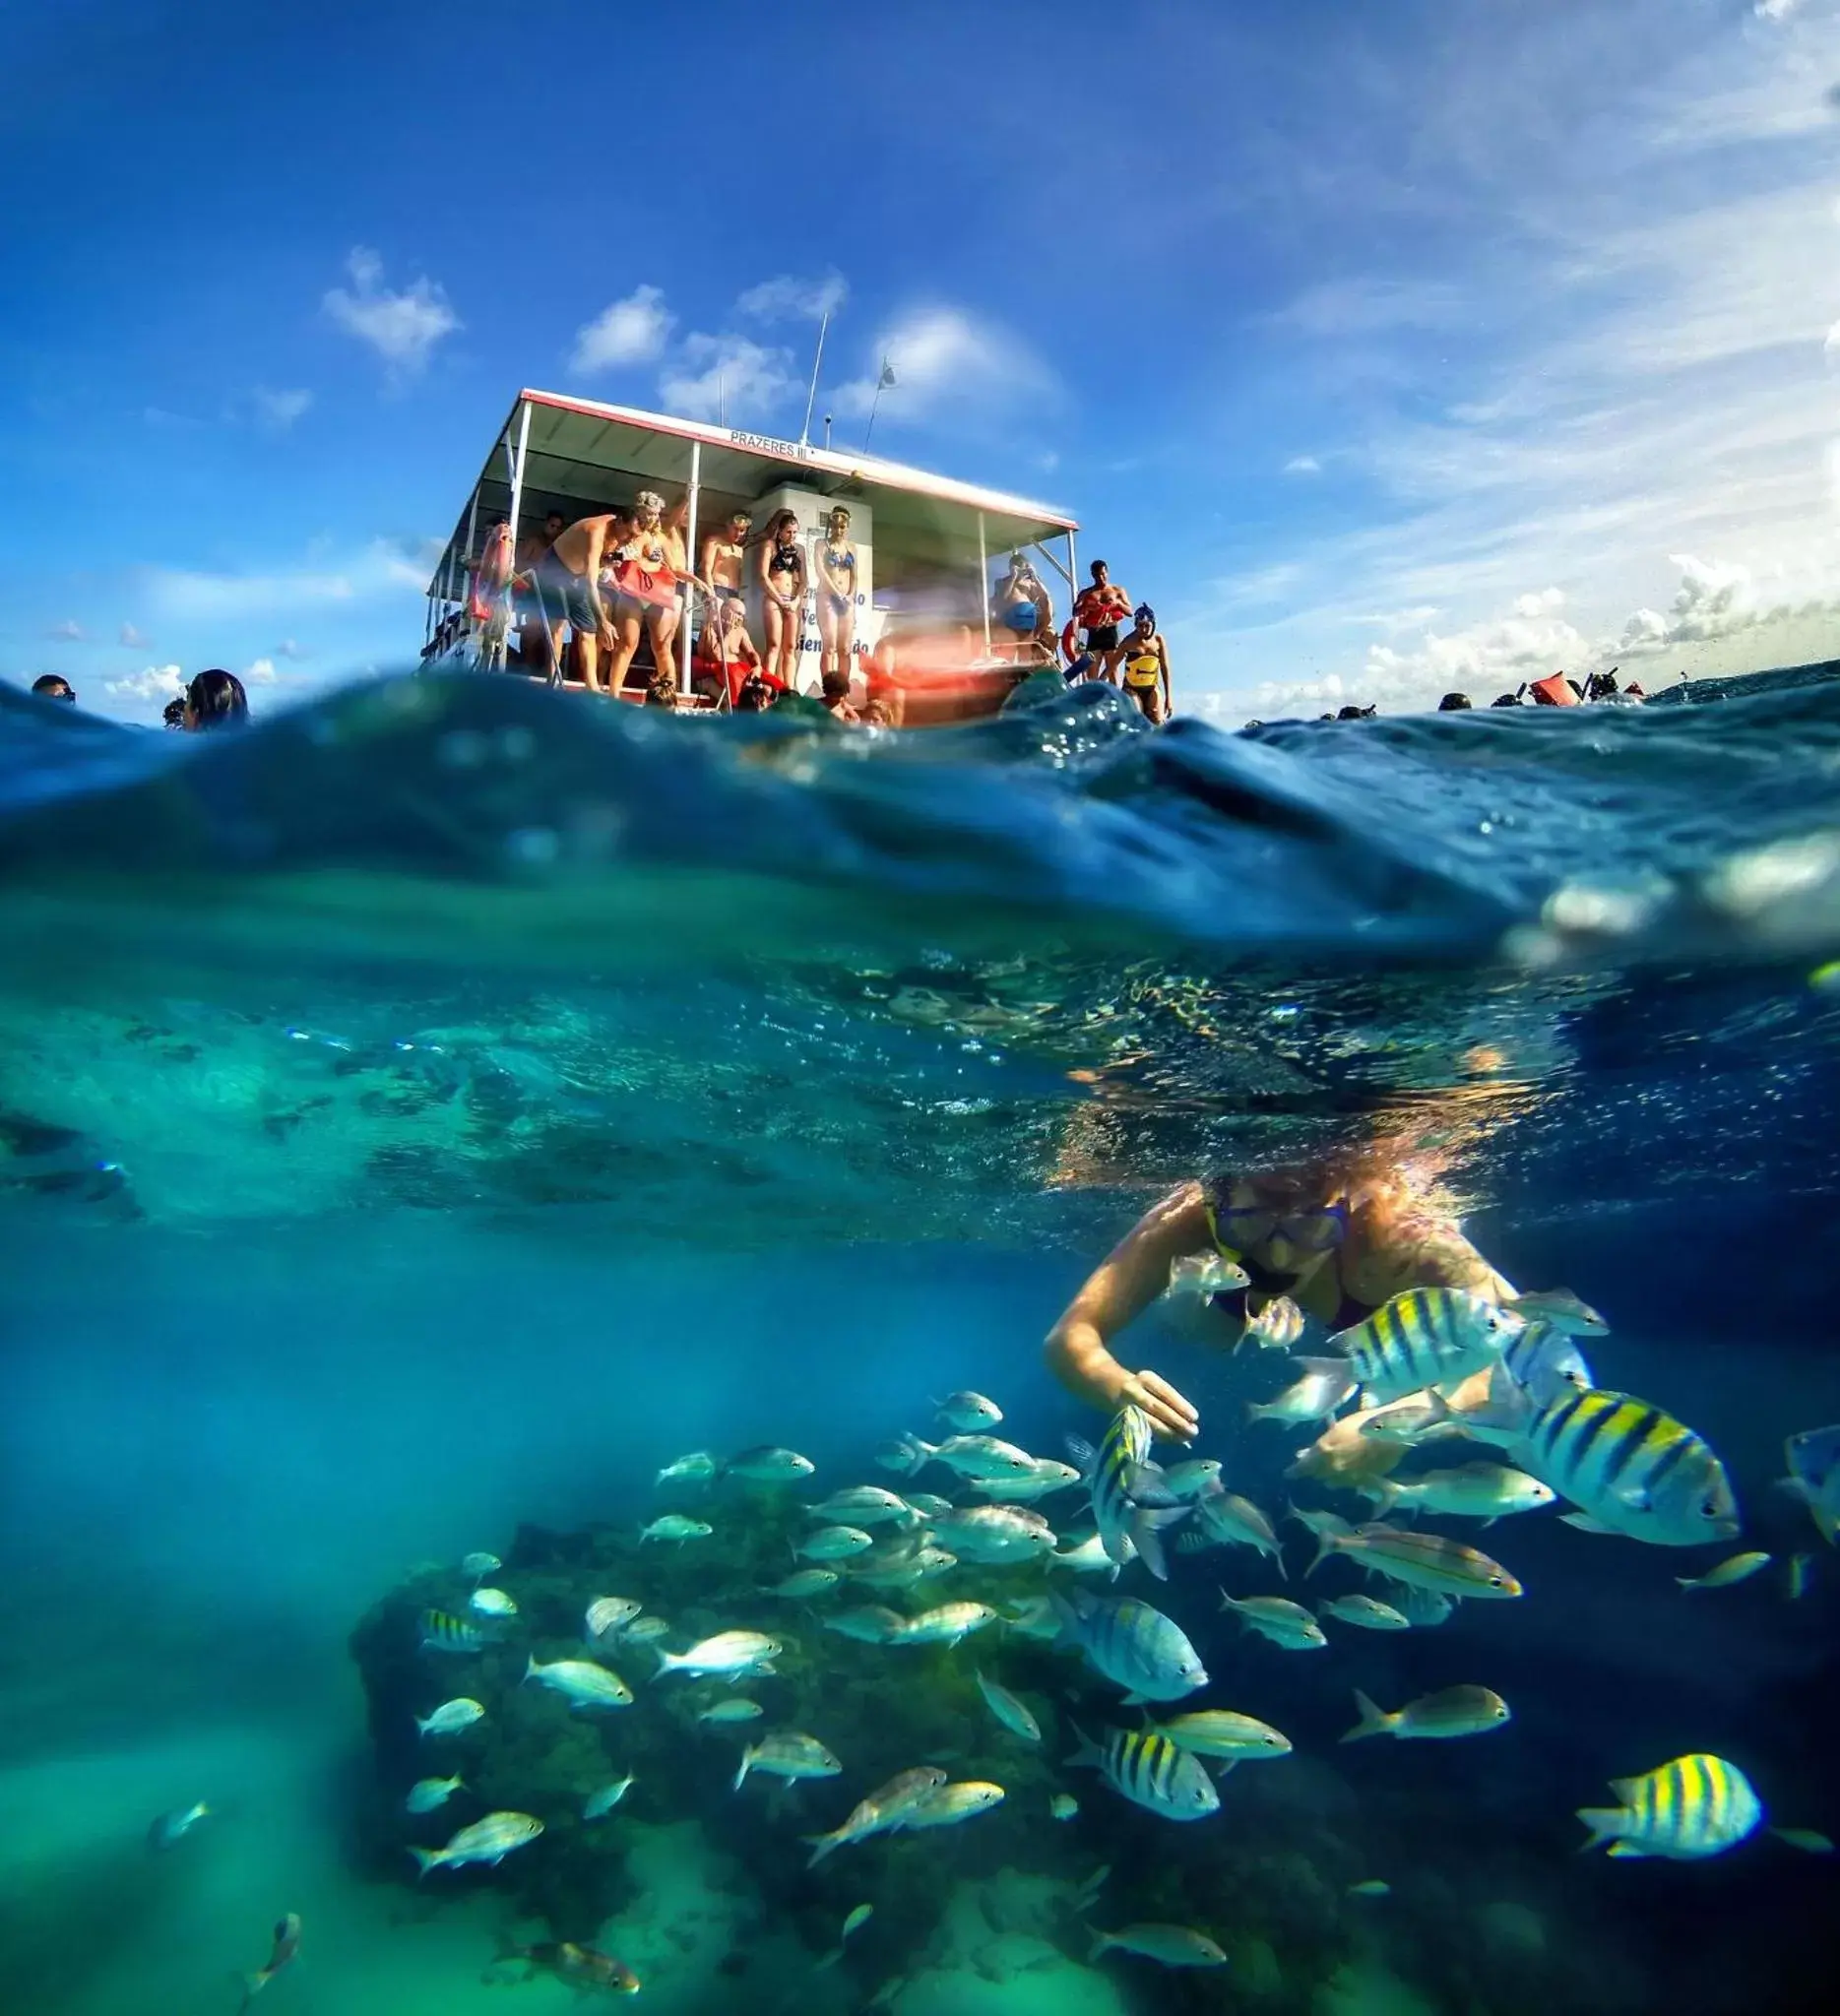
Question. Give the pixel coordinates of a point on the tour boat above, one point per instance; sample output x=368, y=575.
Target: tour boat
x=927, y=547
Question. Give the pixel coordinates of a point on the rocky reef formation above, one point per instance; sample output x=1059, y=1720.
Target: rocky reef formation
x=1002, y=1901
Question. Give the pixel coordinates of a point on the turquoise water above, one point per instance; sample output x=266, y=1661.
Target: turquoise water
x=424, y=1119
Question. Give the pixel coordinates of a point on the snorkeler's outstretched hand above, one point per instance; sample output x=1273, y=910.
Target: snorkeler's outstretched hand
x=1171, y=1415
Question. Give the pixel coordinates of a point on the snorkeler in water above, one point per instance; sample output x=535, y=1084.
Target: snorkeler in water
x=1338, y=1236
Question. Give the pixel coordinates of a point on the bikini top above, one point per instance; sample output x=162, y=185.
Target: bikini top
x=786, y=558
x=844, y=562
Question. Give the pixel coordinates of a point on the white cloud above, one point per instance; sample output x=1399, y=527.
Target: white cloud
x=944, y=358
x=133, y=637
x=1533, y=639
x=259, y=673
x=632, y=331
x=70, y=631
x=278, y=410
x=383, y=568
x=158, y=683
x=404, y=327
x=1302, y=466
x=1611, y=364
x=1775, y=10
x=784, y=298
x=728, y=374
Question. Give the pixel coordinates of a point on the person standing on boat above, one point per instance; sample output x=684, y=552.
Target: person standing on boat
x=724, y=559
x=1339, y=1236
x=567, y=580
x=1023, y=613
x=1099, y=612
x=644, y=574
x=837, y=594
x=781, y=570
x=1147, y=666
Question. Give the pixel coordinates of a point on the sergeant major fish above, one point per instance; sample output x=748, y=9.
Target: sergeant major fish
x=1133, y=1645
x=1145, y=1767
x=1426, y=1337
x=1695, y=1806
x=1277, y=1326
x=442, y=1633
x=1117, y=1472
x=1630, y=1468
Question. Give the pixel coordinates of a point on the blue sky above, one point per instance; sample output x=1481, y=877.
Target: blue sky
x=1384, y=348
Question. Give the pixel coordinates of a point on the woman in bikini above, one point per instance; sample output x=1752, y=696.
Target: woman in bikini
x=1145, y=673
x=781, y=573
x=837, y=594
x=646, y=583
x=1339, y=1236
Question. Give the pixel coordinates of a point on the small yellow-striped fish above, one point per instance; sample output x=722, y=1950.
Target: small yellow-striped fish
x=1424, y=1337
x=1150, y=1771
x=1421, y=1560
x=1695, y=1806
x=1630, y=1468
x=442, y=1633
x=1735, y=1568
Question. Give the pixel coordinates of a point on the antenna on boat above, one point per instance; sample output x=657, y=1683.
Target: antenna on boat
x=882, y=383
x=827, y=430
x=811, y=398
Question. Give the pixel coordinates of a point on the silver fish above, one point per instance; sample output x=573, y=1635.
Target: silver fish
x=786, y=1753
x=599, y=1804
x=486, y=1841
x=726, y=1655
x=1013, y=1714
x=426, y=1795
x=968, y=1412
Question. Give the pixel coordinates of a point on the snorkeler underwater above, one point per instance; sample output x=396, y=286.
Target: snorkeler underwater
x=920, y=1011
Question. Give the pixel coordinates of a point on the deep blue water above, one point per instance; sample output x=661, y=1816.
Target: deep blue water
x=426, y=1116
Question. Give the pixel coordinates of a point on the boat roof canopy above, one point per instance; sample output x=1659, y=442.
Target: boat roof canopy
x=583, y=456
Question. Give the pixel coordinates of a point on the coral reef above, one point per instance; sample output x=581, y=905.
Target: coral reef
x=704, y=1882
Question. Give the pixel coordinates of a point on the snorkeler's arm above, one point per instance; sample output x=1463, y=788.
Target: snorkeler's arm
x=1419, y=1248
x=1127, y=1282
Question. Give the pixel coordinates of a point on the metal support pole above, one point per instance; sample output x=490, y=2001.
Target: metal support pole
x=983, y=583
x=811, y=398
x=689, y=540
x=467, y=560
x=1053, y=560
x=517, y=466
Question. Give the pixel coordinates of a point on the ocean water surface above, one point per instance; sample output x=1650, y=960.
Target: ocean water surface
x=426, y=1116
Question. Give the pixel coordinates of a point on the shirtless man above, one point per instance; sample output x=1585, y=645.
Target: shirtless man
x=569, y=578
x=1099, y=612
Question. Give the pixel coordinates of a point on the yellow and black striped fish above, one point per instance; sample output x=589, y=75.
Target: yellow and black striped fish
x=1630, y=1468
x=1697, y=1805
x=442, y=1633
x=1129, y=1499
x=1422, y=1338
x=1151, y=1771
